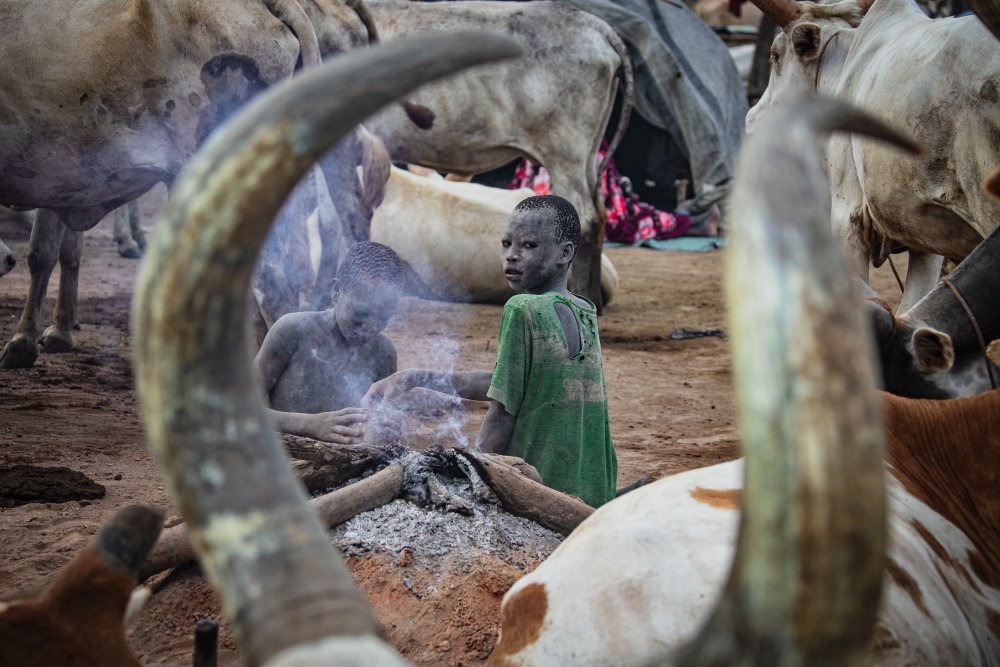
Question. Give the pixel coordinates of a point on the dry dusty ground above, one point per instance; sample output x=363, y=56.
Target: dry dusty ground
x=671, y=410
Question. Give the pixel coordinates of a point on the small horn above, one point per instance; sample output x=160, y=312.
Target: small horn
x=782, y=12
x=992, y=184
x=805, y=583
x=283, y=586
x=993, y=352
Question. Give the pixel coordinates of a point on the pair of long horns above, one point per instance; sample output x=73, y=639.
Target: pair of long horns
x=783, y=12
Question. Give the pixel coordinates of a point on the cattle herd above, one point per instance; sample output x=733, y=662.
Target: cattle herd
x=861, y=527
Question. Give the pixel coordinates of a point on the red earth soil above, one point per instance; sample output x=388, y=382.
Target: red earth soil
x=671, y=410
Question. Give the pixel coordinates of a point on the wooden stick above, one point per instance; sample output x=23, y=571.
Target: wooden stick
x=522, y=496
x=173, y=548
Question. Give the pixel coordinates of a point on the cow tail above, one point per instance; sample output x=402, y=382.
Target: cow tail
x=627, y=84
x=290, y=13
x=375, y=167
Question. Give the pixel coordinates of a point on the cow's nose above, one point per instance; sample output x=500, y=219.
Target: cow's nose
x=10, y=261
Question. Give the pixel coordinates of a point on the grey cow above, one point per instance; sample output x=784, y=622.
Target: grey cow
x=101, y=100
x=552, y=106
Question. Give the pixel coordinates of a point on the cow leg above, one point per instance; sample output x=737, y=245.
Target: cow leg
x=59, y=336
x=922, y=274
x=43, y=251
x=585, y=277
x=126, y=222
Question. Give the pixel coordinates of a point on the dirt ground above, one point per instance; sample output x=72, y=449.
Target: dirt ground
x=670, y=402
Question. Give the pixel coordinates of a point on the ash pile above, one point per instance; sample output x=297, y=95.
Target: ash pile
x=445, y=509
x=423, y=506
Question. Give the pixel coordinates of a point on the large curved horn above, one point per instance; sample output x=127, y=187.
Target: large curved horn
x=806, y=579
x=283, y=586
x=988, y=12
x=782, y=12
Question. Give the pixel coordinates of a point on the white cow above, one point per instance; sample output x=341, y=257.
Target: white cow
x=941, y=595
x=940, y=81
x=449, y=232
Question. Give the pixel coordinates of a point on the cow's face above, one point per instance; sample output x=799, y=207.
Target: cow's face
x=800, y=49
x=794, y=55
x=7, y=260
x=919, y=361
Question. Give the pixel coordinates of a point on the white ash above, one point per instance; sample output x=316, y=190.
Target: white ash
x=433, y=535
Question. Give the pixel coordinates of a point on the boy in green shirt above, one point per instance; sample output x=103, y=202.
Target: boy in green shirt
x=548, y=401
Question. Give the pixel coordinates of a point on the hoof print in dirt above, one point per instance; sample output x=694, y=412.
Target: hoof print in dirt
x=23, y=484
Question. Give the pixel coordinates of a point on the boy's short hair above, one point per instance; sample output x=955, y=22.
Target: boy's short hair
x=370, y=261
x=567, y=220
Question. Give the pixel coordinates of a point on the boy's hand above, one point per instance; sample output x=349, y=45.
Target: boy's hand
x=342, y=427
x=386, y=389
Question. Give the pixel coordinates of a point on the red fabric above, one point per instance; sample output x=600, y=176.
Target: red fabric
x=630, y=220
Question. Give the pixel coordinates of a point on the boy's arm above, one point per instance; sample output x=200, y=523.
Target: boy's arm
x=272, y=358
x=497, y=429
x=472, y=385
x=342, y=427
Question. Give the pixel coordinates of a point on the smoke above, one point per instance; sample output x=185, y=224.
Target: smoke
x=429, y=339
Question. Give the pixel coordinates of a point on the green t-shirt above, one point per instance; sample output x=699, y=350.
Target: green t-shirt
x=561, y=403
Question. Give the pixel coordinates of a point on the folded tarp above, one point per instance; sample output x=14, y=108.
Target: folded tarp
x=685, y=84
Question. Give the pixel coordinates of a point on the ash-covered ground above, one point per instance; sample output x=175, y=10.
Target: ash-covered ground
x=404, y=530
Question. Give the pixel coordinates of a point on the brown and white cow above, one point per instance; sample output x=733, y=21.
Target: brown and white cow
x=81, y=617
x=669, y=545
x=940, y=81
x=670, y=542
x=551, y=106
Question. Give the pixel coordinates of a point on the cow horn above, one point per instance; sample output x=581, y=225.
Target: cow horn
x=782, y=12
x=282, y=584
x=806, y=580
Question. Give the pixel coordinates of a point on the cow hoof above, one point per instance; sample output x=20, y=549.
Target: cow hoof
x=54, y=341
x=20, y=352
x=129, y=249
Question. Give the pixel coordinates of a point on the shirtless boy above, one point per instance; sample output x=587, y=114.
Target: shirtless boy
x=548, y=403
x=317, y=366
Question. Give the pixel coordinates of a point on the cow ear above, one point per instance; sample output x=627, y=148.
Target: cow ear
x=932, y=350
x=805, y=40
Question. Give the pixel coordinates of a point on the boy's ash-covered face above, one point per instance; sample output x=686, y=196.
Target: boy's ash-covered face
x=365, y=309
x=533, y=257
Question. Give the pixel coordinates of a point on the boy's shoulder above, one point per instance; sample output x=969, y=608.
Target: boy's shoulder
x=535, y=302
x=297, y=324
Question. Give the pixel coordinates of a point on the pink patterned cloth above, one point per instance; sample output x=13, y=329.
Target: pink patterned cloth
x=629, y=219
